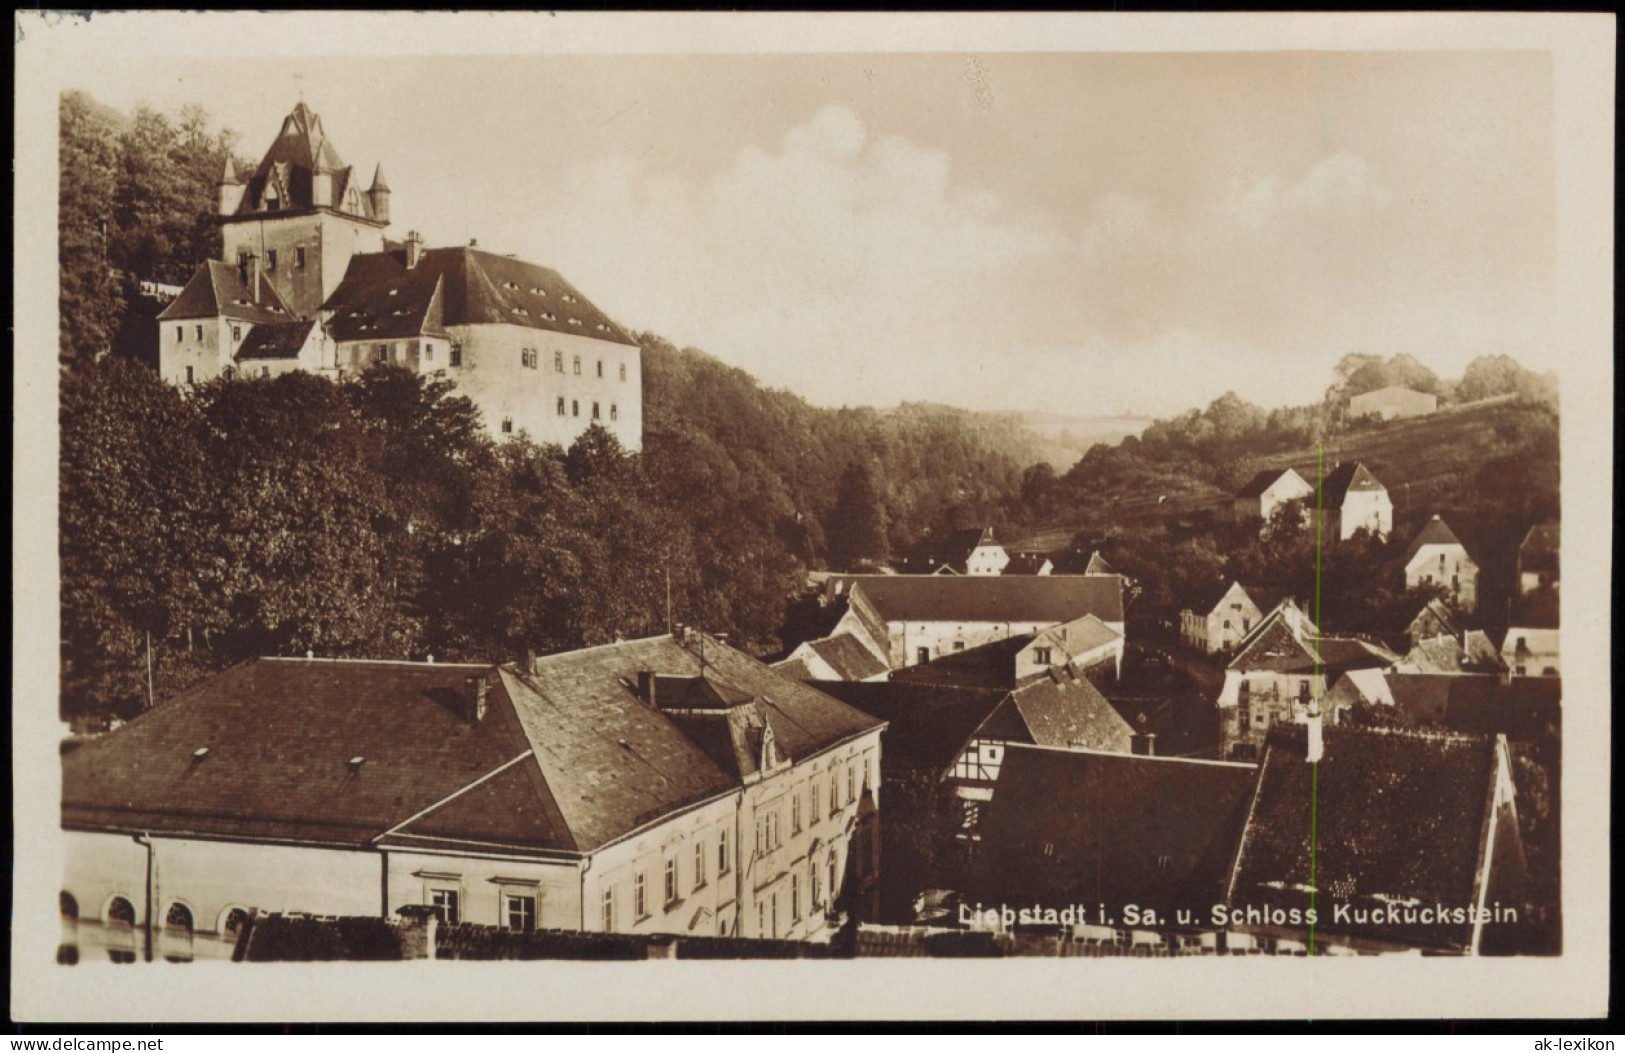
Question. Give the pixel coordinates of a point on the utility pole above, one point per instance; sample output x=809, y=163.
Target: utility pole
x=150, y=702
x=668, y=599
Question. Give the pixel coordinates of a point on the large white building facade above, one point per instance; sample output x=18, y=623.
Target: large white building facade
x=308, y=281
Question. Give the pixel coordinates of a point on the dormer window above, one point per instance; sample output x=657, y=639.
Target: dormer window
x=575, y=321
x=394, y=292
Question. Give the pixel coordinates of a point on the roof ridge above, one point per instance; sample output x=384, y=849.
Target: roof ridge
x=1130, y=756
x=373, y=661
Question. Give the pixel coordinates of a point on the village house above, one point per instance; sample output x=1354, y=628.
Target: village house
x=972, y=551
x=1085, y=645
x=1391, y=403
x=1436, y=556
x=945, y=745
x=1531, y=650
x=919, y=618
x=1112, y=831
x=1538, y=558
x=1351, y=499
x=1219, y=620
x=660, y=785
x=839, y=657
x=1413, y=843
x=1030, y=563
x=308, y=281
x=1267, y=491
x=1283, y=671
x=1465, y=652
x=1523, y=708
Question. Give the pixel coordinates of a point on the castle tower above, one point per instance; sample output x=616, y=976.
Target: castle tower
x=302, y=213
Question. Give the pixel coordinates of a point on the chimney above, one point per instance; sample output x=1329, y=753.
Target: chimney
x=1144, y=744
x=251, y=276
x=414, y=249
x=646, y=687
x=1317, y=744
x=527, y=660
x=479, y=690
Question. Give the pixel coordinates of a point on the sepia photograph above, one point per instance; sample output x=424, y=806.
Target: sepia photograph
x=1078, y=503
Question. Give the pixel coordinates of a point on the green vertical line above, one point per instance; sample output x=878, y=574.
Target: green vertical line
x=1314, y=768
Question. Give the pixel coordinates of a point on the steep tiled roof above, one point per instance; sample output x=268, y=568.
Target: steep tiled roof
x=1518, y=707
x=794, y=668
x=217, y=289
x=1346, y=477
x=1434, y=619
x=928, y=725
x=1067, y=827
x=1097, y=564
x=566, y=758
x=989, y=665
x=1028, y=563
x=1263, y=480
x=1434, y=532
x=1034, y=600
x=1540, y=547
x=380, y=297
x=274, y=340
x=280, y=734
x=1397, y=817
x=849, y=658
x=1067, y=711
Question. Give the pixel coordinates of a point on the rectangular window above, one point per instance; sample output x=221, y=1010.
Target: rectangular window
x=575, y=408
x=600, y=369
x=813, y=811
x=922, y=655
x=671, y=881
x=180, y=333
x=561, y=405
x=507, y=425
x=299, y=258
x=834, y=794
x=640, y=897
x=851, y=782
x=595, y=411
x=614, y=412
x=380, y=352
x=578, y=365
x=236, y=333
x=609, y=910
x=795, y=896
x=449, y=902
x=456, y=357
x=270, y=260
x=519, y=911
x=724, y=860
x=428, y=352
x=795, y=815
x=558, y=361
x=1041, y=655
x=188, y=374
x=623, y=372
x=200, y=332
x=699, y=864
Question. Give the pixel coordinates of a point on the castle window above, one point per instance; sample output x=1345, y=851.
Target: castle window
x=595, y=411
x=299, y=258
x=600, y=369
x=558, y=361
x=180, y=333
x=200, y=332
x=270, y=260
x=569, y=299
x=380, y=352
x=575, y=321
x=265, y=371
x=188, y=374
x=428, y=352
x=577, y=365
x=457, y=357
x=561, y=405
x=236, y=333
x=575, y=408
x=507, y=425
x=528, y=357
x=229, y=372
x=614, y=412
x=623, y=372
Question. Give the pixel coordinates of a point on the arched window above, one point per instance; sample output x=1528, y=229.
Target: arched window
x=120, y=911
x=179, y=917
x=69, y=906
x=67, y=951
x=177, y=936
x=232, y=922
x=834, y=885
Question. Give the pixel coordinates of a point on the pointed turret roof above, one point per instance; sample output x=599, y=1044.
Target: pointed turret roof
x=300, y=152
x=229, y=176
x=378, y=182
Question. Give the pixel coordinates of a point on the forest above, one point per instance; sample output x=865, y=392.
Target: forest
x=377, y=518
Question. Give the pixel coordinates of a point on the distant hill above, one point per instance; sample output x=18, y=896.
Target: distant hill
x=1029, y=437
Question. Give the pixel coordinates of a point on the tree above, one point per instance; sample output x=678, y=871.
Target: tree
x=857, y=524
x=1492, y=375
x=88, y=297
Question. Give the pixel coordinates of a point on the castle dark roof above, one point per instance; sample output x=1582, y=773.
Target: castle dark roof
x=1397, y=817
x=566, y=758
x=218, y=290
x=1034, y=600
x=1346, y=478
x=381, y=298
x=1066, y=827
x=283, y=180
x=274, y=340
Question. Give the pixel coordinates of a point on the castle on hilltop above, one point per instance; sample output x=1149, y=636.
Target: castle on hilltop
x=307, y=280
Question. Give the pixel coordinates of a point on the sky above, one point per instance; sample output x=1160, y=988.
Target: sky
x=1076, y=233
